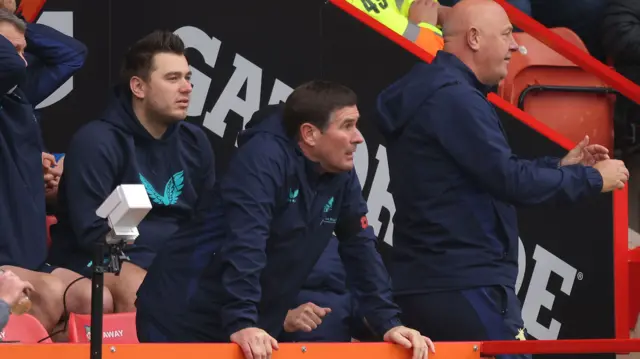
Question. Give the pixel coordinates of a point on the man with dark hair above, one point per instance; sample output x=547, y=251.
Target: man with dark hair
x=140, y=138
x=34, y=61
x=291, y=184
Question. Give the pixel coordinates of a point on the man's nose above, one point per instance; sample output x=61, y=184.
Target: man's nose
x=513, y=46
x=358, y=139
x=188, y=87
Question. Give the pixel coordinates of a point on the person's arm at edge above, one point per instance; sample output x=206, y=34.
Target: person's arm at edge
x=58, y=57
x=365, y=270
x=12, y=67
x=90, y=168
x=5, y=312
x=248, y=193
x=621, y=31
x=466, y=126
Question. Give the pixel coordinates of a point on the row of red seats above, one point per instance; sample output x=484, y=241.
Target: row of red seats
x=117, y=328
x=559, y=93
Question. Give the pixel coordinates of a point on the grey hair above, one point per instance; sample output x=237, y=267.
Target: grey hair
x=8, y=17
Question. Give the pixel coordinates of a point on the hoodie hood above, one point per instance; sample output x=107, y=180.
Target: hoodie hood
x=119, y=113
x=398, y=103
x=265, y=120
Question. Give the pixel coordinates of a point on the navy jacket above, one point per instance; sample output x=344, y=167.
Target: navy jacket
x=116, y=149
x=455, y=181
x=277, y=217
x=326, y=286
x=54, y=58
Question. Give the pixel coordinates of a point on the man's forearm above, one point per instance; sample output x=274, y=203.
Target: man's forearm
x=55, y=57
x=12, y=67
x=370, y=281
x=53, y=47
x=5, y=311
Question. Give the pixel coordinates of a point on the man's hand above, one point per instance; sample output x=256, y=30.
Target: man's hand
x=585, y=154
x=424, y=11
x=306, y=318
x=614, y=174
x=12, y=288
x=411, y=338
x=255, y=343
x=8, y=4
x=51, y=170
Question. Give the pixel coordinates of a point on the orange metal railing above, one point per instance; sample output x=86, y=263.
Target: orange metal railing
x=466, y=350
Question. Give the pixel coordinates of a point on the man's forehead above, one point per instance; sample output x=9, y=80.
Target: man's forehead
x=165, y=62
x=346, y=113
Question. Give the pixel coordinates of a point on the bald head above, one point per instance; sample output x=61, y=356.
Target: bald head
x=479, y=33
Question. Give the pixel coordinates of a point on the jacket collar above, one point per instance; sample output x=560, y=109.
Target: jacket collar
x=450, y=61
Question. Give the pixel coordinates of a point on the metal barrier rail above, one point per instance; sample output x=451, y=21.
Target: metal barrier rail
x=466, y=350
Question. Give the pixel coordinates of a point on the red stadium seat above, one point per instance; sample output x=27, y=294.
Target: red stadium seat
x=24, y=329
x=119, y=328
x=51, y=220
x=559, y=93
x=634, y=286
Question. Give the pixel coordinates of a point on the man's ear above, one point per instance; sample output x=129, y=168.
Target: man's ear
x=473, y=39
x=309, y=134
x=137, y=87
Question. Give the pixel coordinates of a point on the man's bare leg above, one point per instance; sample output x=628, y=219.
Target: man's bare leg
x=125, y=286
x=47, y=298
x=78, y=295
x=77, y=298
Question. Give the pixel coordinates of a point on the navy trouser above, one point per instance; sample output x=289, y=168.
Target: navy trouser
x=478, y=314
x=148, y=332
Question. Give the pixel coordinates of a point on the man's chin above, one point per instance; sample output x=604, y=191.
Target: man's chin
x=178, y=116
x=347, y=166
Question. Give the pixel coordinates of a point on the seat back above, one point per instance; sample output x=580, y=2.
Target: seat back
x=24, y=329
x=51, y=220
x=119, y=328
x=634, y=286
x=558, y=93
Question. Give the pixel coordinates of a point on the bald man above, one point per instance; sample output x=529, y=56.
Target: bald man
x=455, y=182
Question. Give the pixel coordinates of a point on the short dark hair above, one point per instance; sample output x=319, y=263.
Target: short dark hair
x=139, y=59
x=314, y=102
x=7, y=16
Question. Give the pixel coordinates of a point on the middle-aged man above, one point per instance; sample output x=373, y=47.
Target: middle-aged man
x=291, y=184
x=455, y=182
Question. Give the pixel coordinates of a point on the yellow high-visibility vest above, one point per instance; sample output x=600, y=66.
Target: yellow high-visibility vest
x=393, y=14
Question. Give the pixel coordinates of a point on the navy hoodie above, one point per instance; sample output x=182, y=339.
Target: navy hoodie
x=278, y=214
x=455, y=181
x=54, y=58
x=177, y=170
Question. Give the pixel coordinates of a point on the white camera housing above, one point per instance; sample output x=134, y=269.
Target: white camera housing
x=125, y=208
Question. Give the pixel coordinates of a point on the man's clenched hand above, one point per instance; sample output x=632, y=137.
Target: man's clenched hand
x=305, y=318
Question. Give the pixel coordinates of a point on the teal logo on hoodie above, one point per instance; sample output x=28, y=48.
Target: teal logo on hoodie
x=329, y=206
x=293, y=194
x=172, y=190
x=326, y=209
